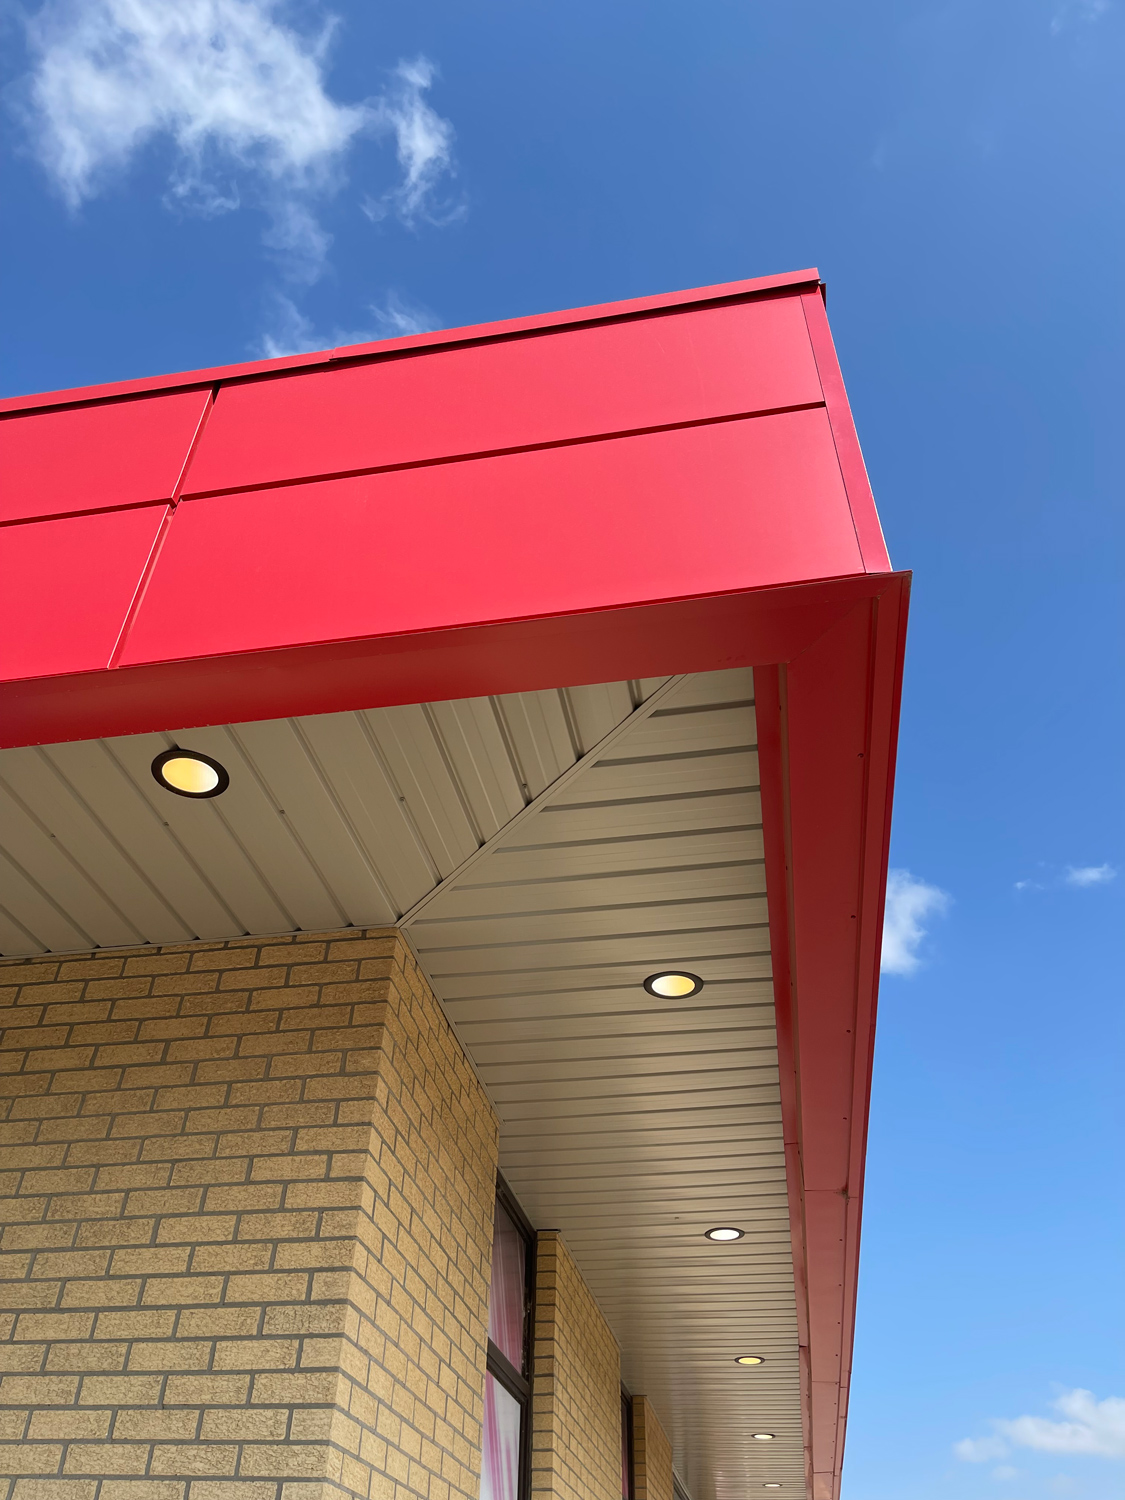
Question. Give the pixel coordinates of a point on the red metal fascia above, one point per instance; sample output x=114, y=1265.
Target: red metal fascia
x=826, y=803
x=757, y=627
x=540, y=322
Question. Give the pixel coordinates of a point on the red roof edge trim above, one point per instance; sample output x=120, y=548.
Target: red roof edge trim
x=789, y=281
x=869, y=531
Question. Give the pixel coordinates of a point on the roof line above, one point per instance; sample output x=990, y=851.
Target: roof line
x=325, y=358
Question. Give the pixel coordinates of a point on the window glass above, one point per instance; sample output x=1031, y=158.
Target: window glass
x=626, y=1455
x=500, y=1470
x=509, y=1280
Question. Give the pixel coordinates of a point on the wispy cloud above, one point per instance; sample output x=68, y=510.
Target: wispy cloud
x=980, y=1450
x=1079, y=12
x=910, y=905
x=1084, y=875
x=241, y=97
x=1081, y=877
x=292, y=332
x=424, y=143
x=1087, y=1426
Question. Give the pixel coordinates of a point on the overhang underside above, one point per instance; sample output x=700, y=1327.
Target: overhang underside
x=544, y=852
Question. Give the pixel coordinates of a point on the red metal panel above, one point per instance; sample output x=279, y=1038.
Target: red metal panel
x=696, y=510
x=84, y=458
x=68, y=586
x=615, y=377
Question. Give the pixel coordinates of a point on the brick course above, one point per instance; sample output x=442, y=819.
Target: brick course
x=576, y=1387
x=246, y=1196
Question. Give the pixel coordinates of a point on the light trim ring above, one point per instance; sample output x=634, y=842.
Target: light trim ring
x=190, y=773
x=763, y=1437
x=751, y=1359
x=673, y=984
x=725, y=1234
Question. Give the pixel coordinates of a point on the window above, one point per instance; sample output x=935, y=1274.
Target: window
x=507, y=1388
x=626, y=1447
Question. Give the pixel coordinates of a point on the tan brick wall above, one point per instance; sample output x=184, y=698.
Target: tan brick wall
x=652, y=1454
x=576, y=1389
x=246, y=1195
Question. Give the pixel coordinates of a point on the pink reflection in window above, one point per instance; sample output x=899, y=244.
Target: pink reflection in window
x=500, y=1471
x=626, y=1457
x=506, y=1299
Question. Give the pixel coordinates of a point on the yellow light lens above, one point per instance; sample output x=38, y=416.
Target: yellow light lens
x=672, y=986
x=763, y=1437
x=186, y=774
x=750, y=1359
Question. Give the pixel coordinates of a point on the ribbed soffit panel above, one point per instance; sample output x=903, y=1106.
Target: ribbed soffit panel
x=329, y=821
x=635, y=1124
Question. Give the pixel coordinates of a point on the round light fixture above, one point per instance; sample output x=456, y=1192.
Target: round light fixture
x=752, y=1359
x=190, y=774
x=771, y=1486
x=724, y=1233
x=673, y=986
x=762, y=1437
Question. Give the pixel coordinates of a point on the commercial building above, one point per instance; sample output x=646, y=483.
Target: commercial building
x=445, y=806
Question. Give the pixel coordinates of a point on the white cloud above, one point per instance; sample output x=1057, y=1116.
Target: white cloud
x=980, y=1450
x=240, y=95
x=424, y=143
x=909, y=903
x=294, y=333
x=1088, y=1426
x=1084, y=875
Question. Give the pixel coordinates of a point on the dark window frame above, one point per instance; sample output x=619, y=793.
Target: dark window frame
x=627, y=1443
x=498, y=1365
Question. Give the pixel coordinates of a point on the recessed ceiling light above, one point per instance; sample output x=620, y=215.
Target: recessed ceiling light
x=751, y=1359
x=190, y=774
x=725, y=1232
x=673, y=986
x=771, y=1486
x=762, y=1437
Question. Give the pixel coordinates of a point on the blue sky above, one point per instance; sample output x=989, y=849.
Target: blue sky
x=956, y=170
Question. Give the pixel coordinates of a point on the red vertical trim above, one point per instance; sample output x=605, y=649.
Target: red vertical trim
x=193, y=446
x=161, y=535
x=872, y=544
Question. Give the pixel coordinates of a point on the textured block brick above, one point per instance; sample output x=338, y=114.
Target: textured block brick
x=55, y=1489
x=250, y=1222
x=106, y=1458
x=194, y=1458
x=120, y=1390
x=69, y=1424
